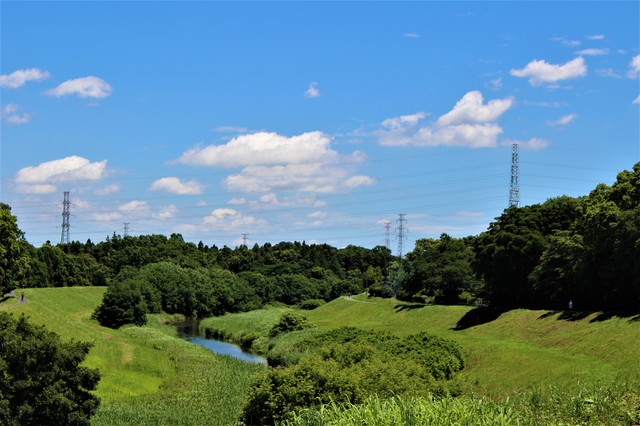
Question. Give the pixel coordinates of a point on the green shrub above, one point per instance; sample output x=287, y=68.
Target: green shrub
x=289, y=321
x=311, y=304
x=123, y=303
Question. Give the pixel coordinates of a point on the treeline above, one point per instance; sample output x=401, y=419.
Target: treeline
x=585, y=249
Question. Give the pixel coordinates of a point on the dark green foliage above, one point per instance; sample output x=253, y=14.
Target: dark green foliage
x=290, y=321
x=14, y=259
x=348, y=365
x=311, y=304
x=123, y=303
x=41, y=380
x=440, y=269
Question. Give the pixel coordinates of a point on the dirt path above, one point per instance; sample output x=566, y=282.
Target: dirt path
x=21, y=300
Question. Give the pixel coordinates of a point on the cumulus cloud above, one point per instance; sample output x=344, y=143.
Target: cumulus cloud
x=20, y=77
x=593, y=52
x=566, y=119
x=85, y=87
x=230, y=219
x=43, y=177
x=10, y=113
x=533, y=143
x=312, y=91
x=269, y=161
x=470, y=123
x=542, y=72
x=174, y=185
x=634, y=67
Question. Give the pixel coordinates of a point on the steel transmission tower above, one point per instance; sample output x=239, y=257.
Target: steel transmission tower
x=64, y=239
x=387, y=231
x=514, y=191
x=401, y=230
x=126, y=229
x=244, y=239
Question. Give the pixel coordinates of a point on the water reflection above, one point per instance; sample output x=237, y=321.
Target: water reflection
x=190, y=330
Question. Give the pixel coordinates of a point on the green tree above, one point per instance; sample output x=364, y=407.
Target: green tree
x=14, y=260
x=123, y=303
x=41, y=380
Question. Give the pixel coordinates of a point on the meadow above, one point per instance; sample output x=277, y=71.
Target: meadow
x=522, y=366
x=149, y=376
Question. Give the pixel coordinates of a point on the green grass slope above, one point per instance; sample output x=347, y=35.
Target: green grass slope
x=148, y=375
x=521, y=349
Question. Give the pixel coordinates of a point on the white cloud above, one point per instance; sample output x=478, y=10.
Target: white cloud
x=355, y=181
x=261, y=148
x=237, y=201
x=595, y=37
x=533, y=143
x=635, y=67
x=593, y=52
x=10, y=114
x=563, y=120
x=470, y=109
x=269, y=162
x=636, y=101
x=108, y=189
x=134, y=206
x=230, y=219
x=166, y=212
x=312, y=91
x=85, y=87
x=411, y=35
x=230, y=129
x=175, y=186
x=41, y=178
x=469, y=124
x=542, y=72
x=20, y=77
x=567, y=42
x=545, y=104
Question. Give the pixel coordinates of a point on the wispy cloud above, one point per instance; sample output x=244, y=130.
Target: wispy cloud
x=230, y=129
x=540, y=71
x=595, y=37
x=636, y=101
x=608, y=72
x=567, y=42
x=312, y=91
x=20, y=77
x=634, y=67
x=85, y=87
x=533, y=143
x=495, y=84
x=566, y=119
x=10, y=113
x=593, y=52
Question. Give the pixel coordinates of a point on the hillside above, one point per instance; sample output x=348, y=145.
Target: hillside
x=148, y=375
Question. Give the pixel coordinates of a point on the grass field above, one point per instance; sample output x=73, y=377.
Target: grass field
x=149, y=376
x=520, y=350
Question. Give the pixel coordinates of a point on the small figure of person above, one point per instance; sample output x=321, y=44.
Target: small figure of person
x=570, y=304
x=22, y=297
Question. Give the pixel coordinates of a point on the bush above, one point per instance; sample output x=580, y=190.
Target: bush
x=289, y=321
x=309, y=305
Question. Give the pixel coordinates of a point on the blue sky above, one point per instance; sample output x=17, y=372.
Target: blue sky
x=292, y=121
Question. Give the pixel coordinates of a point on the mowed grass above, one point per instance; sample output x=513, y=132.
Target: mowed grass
x=519, y=350
x=149, y=376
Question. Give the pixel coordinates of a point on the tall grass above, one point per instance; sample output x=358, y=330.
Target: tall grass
x=617, y=404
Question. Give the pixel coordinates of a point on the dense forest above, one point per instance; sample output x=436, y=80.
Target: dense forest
x=585, y=249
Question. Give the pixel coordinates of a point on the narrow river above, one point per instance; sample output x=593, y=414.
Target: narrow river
x=190, y=330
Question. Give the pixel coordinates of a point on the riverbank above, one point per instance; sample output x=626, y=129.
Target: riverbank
x=149, y=376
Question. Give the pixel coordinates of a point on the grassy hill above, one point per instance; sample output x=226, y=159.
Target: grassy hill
x=149, y=376
x=520, y=349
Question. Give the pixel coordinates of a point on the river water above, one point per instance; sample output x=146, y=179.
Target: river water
x=190, y=330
